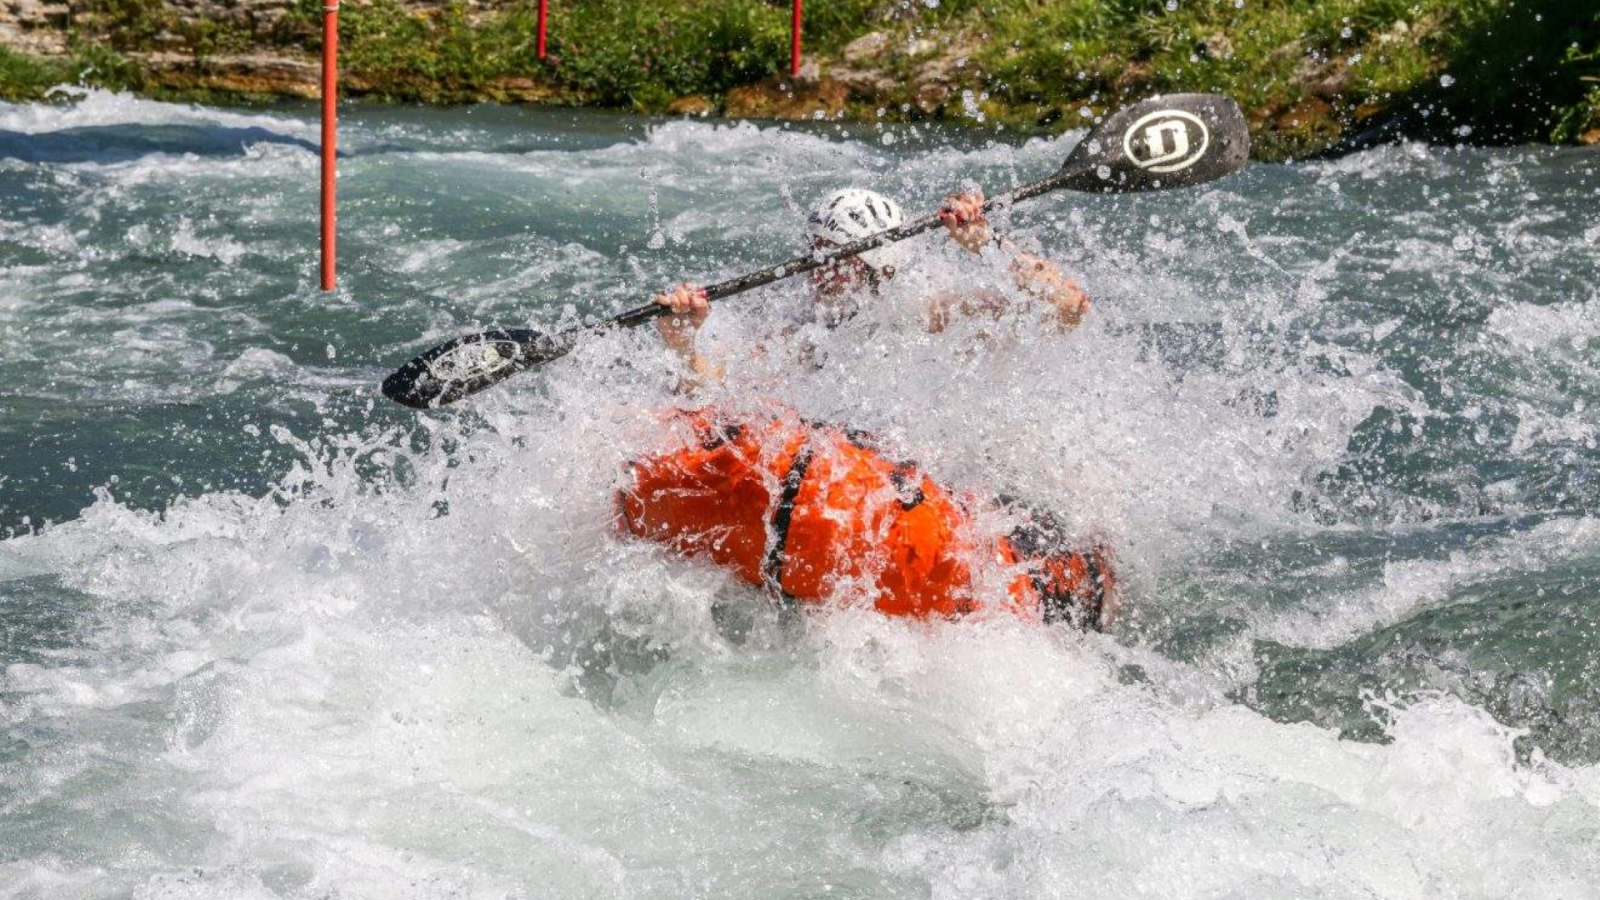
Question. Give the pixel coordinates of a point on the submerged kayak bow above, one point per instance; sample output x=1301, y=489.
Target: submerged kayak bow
x=1160, y=143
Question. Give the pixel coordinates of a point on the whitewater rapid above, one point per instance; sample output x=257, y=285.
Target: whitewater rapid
x=265, y=635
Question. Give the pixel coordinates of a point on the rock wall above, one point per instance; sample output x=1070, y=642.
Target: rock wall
x=35, y=26
x=261, y=66
x=40, y=26
x=264, y=54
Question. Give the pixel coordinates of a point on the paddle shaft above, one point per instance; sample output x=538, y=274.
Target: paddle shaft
x=1159, y=143
x=810, y=261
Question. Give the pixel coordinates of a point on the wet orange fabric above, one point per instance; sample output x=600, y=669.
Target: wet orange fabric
x=713, y=495
x=856, y=521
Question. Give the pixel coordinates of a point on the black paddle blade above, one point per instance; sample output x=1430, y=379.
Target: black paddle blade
x=1161, y=142
x=469, y=364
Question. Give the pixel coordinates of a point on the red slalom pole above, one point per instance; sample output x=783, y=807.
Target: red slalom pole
x=330, y=136
x=794, y=42
x=544, y=13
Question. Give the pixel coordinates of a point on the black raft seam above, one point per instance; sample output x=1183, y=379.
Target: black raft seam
x=1097, y=590
x=772, y=570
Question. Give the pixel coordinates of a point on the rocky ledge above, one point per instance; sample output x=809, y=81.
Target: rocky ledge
x=1308, y=87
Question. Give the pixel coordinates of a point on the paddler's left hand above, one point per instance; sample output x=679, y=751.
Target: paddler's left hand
x=962, y=215
x=690, y=306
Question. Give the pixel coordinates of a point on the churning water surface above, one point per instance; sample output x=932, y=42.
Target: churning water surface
x=265, y=634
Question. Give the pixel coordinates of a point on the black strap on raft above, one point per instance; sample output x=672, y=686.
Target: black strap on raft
x=716, y=436
x=859, y=438
x=906, y=479
x=1062, y=604
x=772, y=569
x=1092, y=612
x=905, y=475
x=1045, y=535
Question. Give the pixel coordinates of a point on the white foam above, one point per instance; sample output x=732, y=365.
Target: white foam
x=1564, y=328
x=88, y=107
x=1403, y=159
x=1410, y=586
x=222, y=249
x=362, y=702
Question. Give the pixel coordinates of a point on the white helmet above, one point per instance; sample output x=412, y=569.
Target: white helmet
x=852, y=214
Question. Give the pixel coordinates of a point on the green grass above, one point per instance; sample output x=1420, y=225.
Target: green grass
x=614, y=52
x=1516, y=66
x=24, y=77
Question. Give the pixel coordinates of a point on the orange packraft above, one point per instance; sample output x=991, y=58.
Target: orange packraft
x=809, y=510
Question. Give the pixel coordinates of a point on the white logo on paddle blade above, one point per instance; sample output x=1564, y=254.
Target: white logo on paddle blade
x=1167, y=140
x=474, y=360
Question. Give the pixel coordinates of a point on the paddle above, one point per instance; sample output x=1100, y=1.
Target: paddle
x=1159, y=143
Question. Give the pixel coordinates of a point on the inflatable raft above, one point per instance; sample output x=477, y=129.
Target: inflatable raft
x=808, y=510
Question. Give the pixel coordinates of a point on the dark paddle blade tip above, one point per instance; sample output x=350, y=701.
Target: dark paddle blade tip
x=1166, y=141
x=465, y=366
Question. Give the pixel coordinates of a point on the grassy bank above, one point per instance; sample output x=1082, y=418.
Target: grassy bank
x=1313, y=74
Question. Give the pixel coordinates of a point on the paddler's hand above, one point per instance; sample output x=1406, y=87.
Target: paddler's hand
x=1045, y=280
x=690, y=307
x=962, y=215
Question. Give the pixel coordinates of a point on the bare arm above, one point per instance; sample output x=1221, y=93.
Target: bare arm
x=962, y=215
x=1045, y=280
x=690, y=308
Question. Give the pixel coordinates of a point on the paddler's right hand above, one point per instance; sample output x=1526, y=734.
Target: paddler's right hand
x=690, y=307
x=962, y=215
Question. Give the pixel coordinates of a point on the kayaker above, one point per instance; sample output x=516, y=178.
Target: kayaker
x=806, y=509
x=837, y=290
